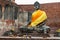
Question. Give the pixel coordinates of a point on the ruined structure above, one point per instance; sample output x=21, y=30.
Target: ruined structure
x=8, y=9
x=8, y=13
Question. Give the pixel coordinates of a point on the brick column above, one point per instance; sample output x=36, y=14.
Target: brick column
x=3, y=12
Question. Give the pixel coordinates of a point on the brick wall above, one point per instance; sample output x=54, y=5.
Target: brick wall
x=52, y=10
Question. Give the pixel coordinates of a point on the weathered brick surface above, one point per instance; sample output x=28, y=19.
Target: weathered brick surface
x=52, y=10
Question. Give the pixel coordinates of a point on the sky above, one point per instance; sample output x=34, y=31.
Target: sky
x=32, y=1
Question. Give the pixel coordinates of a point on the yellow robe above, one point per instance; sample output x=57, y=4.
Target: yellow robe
x=38, y=16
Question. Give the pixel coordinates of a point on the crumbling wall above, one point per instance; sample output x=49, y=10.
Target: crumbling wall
x=52, y=10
